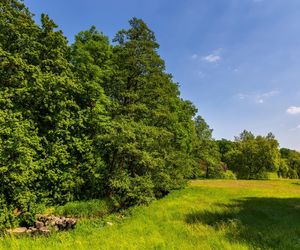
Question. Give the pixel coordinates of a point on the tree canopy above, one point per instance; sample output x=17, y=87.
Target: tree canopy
x=87, y=120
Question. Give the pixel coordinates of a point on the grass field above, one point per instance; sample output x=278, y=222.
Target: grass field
x=214, y=214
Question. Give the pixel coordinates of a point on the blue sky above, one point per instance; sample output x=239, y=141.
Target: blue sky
x=238, y=61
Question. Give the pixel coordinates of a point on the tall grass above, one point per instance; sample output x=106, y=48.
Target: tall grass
x=88, y=209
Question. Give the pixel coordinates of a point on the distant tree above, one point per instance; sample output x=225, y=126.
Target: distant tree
x=244, y=136
x=292, y=160
x=254, y=156
x=283, y=170
x=206, y=151
x=224, y=147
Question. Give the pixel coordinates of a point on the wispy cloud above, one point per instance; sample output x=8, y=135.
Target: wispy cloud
x=295, y=128
x=261, y=98
x=258, y=98
x=215, y=56
x=212, y=58
x=293, y=110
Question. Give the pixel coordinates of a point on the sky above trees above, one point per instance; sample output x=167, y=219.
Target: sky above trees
x=236, y=60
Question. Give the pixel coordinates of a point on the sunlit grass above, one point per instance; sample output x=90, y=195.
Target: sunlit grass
x=216, y=214
x=84, y=209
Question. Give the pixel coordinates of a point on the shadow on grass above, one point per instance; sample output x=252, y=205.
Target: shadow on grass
x=262, y=223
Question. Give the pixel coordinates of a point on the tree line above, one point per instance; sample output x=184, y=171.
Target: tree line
x=97, y=119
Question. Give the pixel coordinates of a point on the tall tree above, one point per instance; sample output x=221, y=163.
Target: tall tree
x=149, y=140
x=20, y=144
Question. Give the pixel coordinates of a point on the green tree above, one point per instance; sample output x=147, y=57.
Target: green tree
x=46, y=103
x=292, y=160
x=253, y=156
x=90, y=119
x=283, y=170
x=19, y=140
x=206, y=152
x=224, y=147
x=149, y=139
x=91, y=56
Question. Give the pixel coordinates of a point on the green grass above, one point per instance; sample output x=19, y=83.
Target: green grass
x=84, y=209
x=214, y=214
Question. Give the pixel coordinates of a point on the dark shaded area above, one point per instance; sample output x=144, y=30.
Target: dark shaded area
x=263, y=223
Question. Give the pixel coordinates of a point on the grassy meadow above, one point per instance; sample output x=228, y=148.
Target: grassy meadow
x=208, y=214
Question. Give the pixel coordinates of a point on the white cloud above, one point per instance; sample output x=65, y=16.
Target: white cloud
x=293, y=110
x=212, y=58
x=258, y=98
x=215, y=56
x=298, y=126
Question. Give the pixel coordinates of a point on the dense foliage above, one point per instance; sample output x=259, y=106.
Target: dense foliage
x=257, y=157
x=87, y=120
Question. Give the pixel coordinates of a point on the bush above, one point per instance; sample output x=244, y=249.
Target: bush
x=5, y=215
x=229, y=175
x=128, y=191
x=12, y=217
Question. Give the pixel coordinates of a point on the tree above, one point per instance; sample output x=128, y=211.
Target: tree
x=206, y=151
x=91, y=56
x=49, y=150
x=20, y=144
x=253, y=156
x=224, y=147
x=149, y=139
x=283, y=170
x=292, y=163
x=91, y=119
